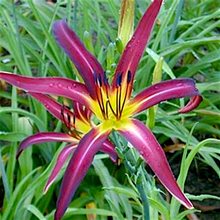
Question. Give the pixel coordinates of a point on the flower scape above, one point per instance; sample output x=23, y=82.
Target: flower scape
x=110, y=103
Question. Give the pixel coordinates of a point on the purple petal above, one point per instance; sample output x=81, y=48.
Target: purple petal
x=192, y=104
x=51, y=105
x=61, y=159
x=85, y=62
x=145, y=142
x=49, y=85
x=135, y=47
x=78, y=166
x=109, y=148
x=44, y=137
x=176, y=88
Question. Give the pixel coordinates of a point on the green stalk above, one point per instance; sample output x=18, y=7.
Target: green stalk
x=157, y=75
x=145, y=202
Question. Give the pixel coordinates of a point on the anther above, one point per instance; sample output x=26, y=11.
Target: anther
x=129, y=77
x=119, y=80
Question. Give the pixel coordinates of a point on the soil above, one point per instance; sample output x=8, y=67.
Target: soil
x=202, y=179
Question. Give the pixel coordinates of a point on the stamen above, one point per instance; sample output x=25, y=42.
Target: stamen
x=116, y=100
x=102, y=103
x=118, y=94
x=74, y=121
x=68, y=119
x=64, y=116
x=70, y=122
x=98, y=81
x=106, y=107
x=109, y=103
x=126, y=92
x=119, y=102
x=74, y=133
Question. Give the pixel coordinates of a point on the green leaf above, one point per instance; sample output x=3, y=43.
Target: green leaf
x=35, y=211
x=12, y=136
x=202, y=197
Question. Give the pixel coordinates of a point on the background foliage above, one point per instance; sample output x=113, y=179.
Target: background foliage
x=187, y=36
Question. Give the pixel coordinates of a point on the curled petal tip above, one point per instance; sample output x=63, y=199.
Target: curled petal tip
x=185, y=202
x=189, y=205
x=176, y=88
x=45, y=190
x=192, y=104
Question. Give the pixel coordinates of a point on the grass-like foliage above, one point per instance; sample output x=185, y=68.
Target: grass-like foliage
x=185, y=43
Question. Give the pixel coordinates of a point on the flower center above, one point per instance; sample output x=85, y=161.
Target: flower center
x=111, y=101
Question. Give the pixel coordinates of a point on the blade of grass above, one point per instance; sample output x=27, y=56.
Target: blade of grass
x=35, y=119
x=13, y=148
x=199, y=24
x=15, y=198
x=178, y=14
x=4, y=179
x=35, y=211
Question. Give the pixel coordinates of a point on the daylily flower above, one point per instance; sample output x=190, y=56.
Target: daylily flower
x=78, y=123
x=112, y=105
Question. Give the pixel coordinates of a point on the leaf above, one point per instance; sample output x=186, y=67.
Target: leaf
x=12, y=136
x=35, y=211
